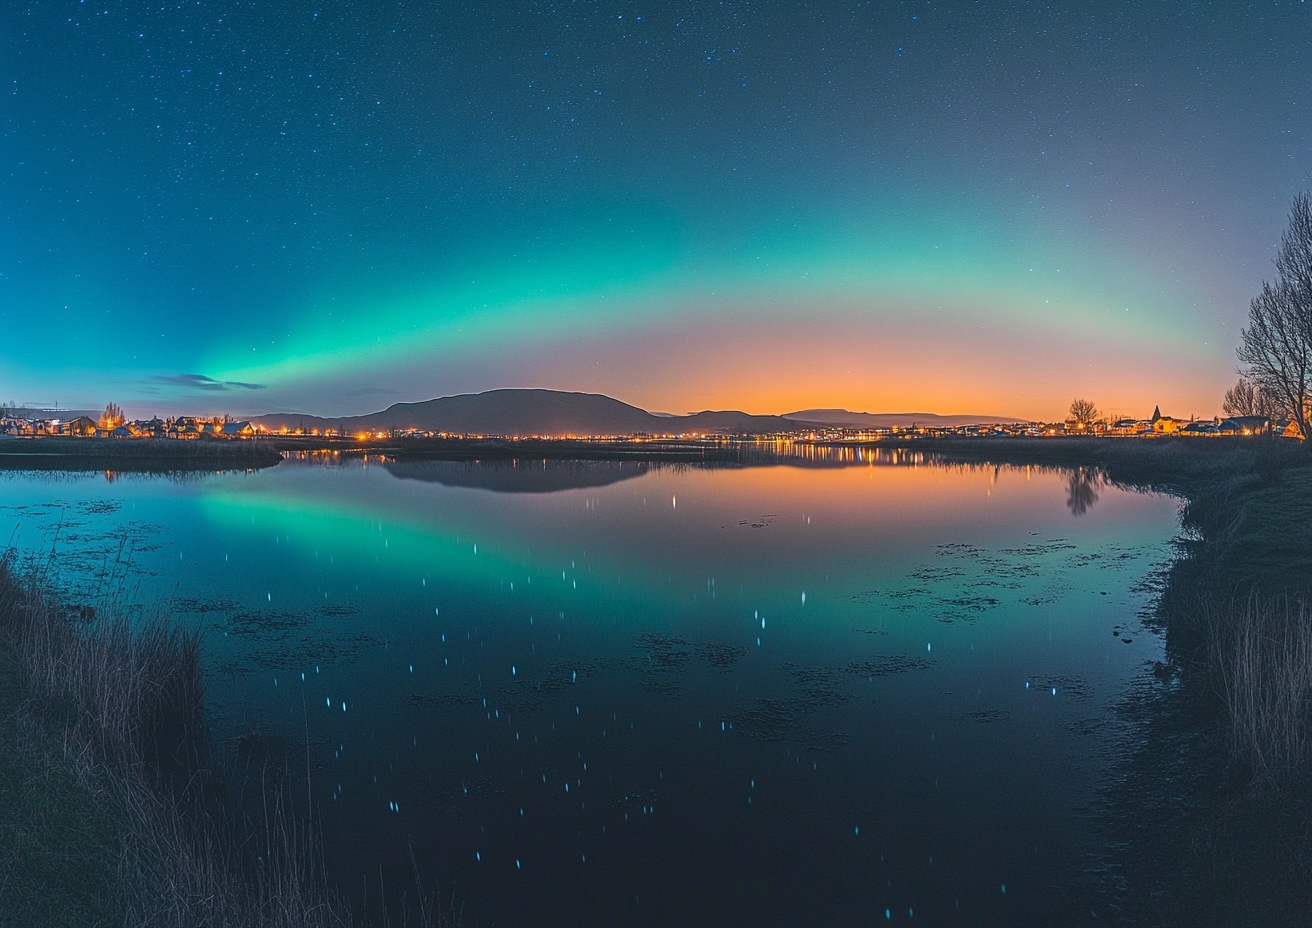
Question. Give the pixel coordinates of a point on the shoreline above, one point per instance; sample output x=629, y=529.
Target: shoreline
x=133, y=454
x=507, y=449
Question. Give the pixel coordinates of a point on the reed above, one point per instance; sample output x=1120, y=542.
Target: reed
x=118, y=711
x=1262, y=650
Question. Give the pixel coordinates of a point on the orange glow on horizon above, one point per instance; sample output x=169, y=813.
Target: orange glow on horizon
x=878, y=367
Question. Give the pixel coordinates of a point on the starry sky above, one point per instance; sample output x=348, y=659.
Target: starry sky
x=253, y=206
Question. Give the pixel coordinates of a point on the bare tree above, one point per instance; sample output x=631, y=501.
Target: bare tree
x=1245, y=398
x=1083, y=412
x=1276, y=347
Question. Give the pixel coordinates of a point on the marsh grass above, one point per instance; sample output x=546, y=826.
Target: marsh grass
x=58, y=839
x=1263, y=654
x=113, y=816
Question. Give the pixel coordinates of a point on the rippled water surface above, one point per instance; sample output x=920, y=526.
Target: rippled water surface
x=614, y=693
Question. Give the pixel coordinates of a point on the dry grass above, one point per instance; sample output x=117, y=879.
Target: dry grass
x=110, y=715
x=1263, y=654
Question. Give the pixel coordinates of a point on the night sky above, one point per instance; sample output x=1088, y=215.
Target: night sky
x=252, y=206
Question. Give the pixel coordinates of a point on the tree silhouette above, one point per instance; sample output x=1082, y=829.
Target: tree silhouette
x=1082, y=489
x=112, y=417
x=1083, y=412
x=1245, y=398
x=1276, y=346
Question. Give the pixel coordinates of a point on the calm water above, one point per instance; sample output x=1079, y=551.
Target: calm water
x=589, y=693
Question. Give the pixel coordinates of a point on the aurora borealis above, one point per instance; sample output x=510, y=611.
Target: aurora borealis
x=249, y=206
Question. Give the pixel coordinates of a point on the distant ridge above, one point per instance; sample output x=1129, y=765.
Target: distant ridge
x=884, y=420
x=513, y=412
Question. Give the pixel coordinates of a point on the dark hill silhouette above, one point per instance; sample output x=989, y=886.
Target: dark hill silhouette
x=557, y=413
x=883, y=420
x=518, y=412
x=534, y=412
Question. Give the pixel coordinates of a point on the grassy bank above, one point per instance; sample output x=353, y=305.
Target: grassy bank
x=112, y=813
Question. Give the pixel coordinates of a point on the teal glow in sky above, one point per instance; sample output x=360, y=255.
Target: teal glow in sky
x=329, y=207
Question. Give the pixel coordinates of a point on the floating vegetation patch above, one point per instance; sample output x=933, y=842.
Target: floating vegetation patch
x=887, y=665
x=1110, y=557
x=965, y=608
x=811, y=675
x=910, y=599
x=867, y=597
x=203, y=604
x=339, y=609
x=768, y=720
x=722, y=655
x=957, y=549
x=307, y=651
x=1085, y=726
x=868, y=631
x=972, y=603
x=1000, y=583
x=266, y=623
x=668, y=660
x=670, y=652
x=932, y=574
x=1071, y=687
x=987, y=715
x=764, y=521
x=658, y=642
x=142, y=536
x=1039, y=549
x=100, y=507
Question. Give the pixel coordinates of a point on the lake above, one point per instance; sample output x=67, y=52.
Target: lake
x=834, y=687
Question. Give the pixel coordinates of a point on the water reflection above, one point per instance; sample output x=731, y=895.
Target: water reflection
x=522, y=476
x=1082, y=489
x=879, y=684
x=530, y=475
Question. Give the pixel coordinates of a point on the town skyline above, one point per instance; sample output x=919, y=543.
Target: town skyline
x=542, y=413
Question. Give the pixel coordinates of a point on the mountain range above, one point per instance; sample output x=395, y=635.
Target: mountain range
x=555, y=413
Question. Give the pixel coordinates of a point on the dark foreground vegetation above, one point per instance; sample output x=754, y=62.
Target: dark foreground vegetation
x=116, y=810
